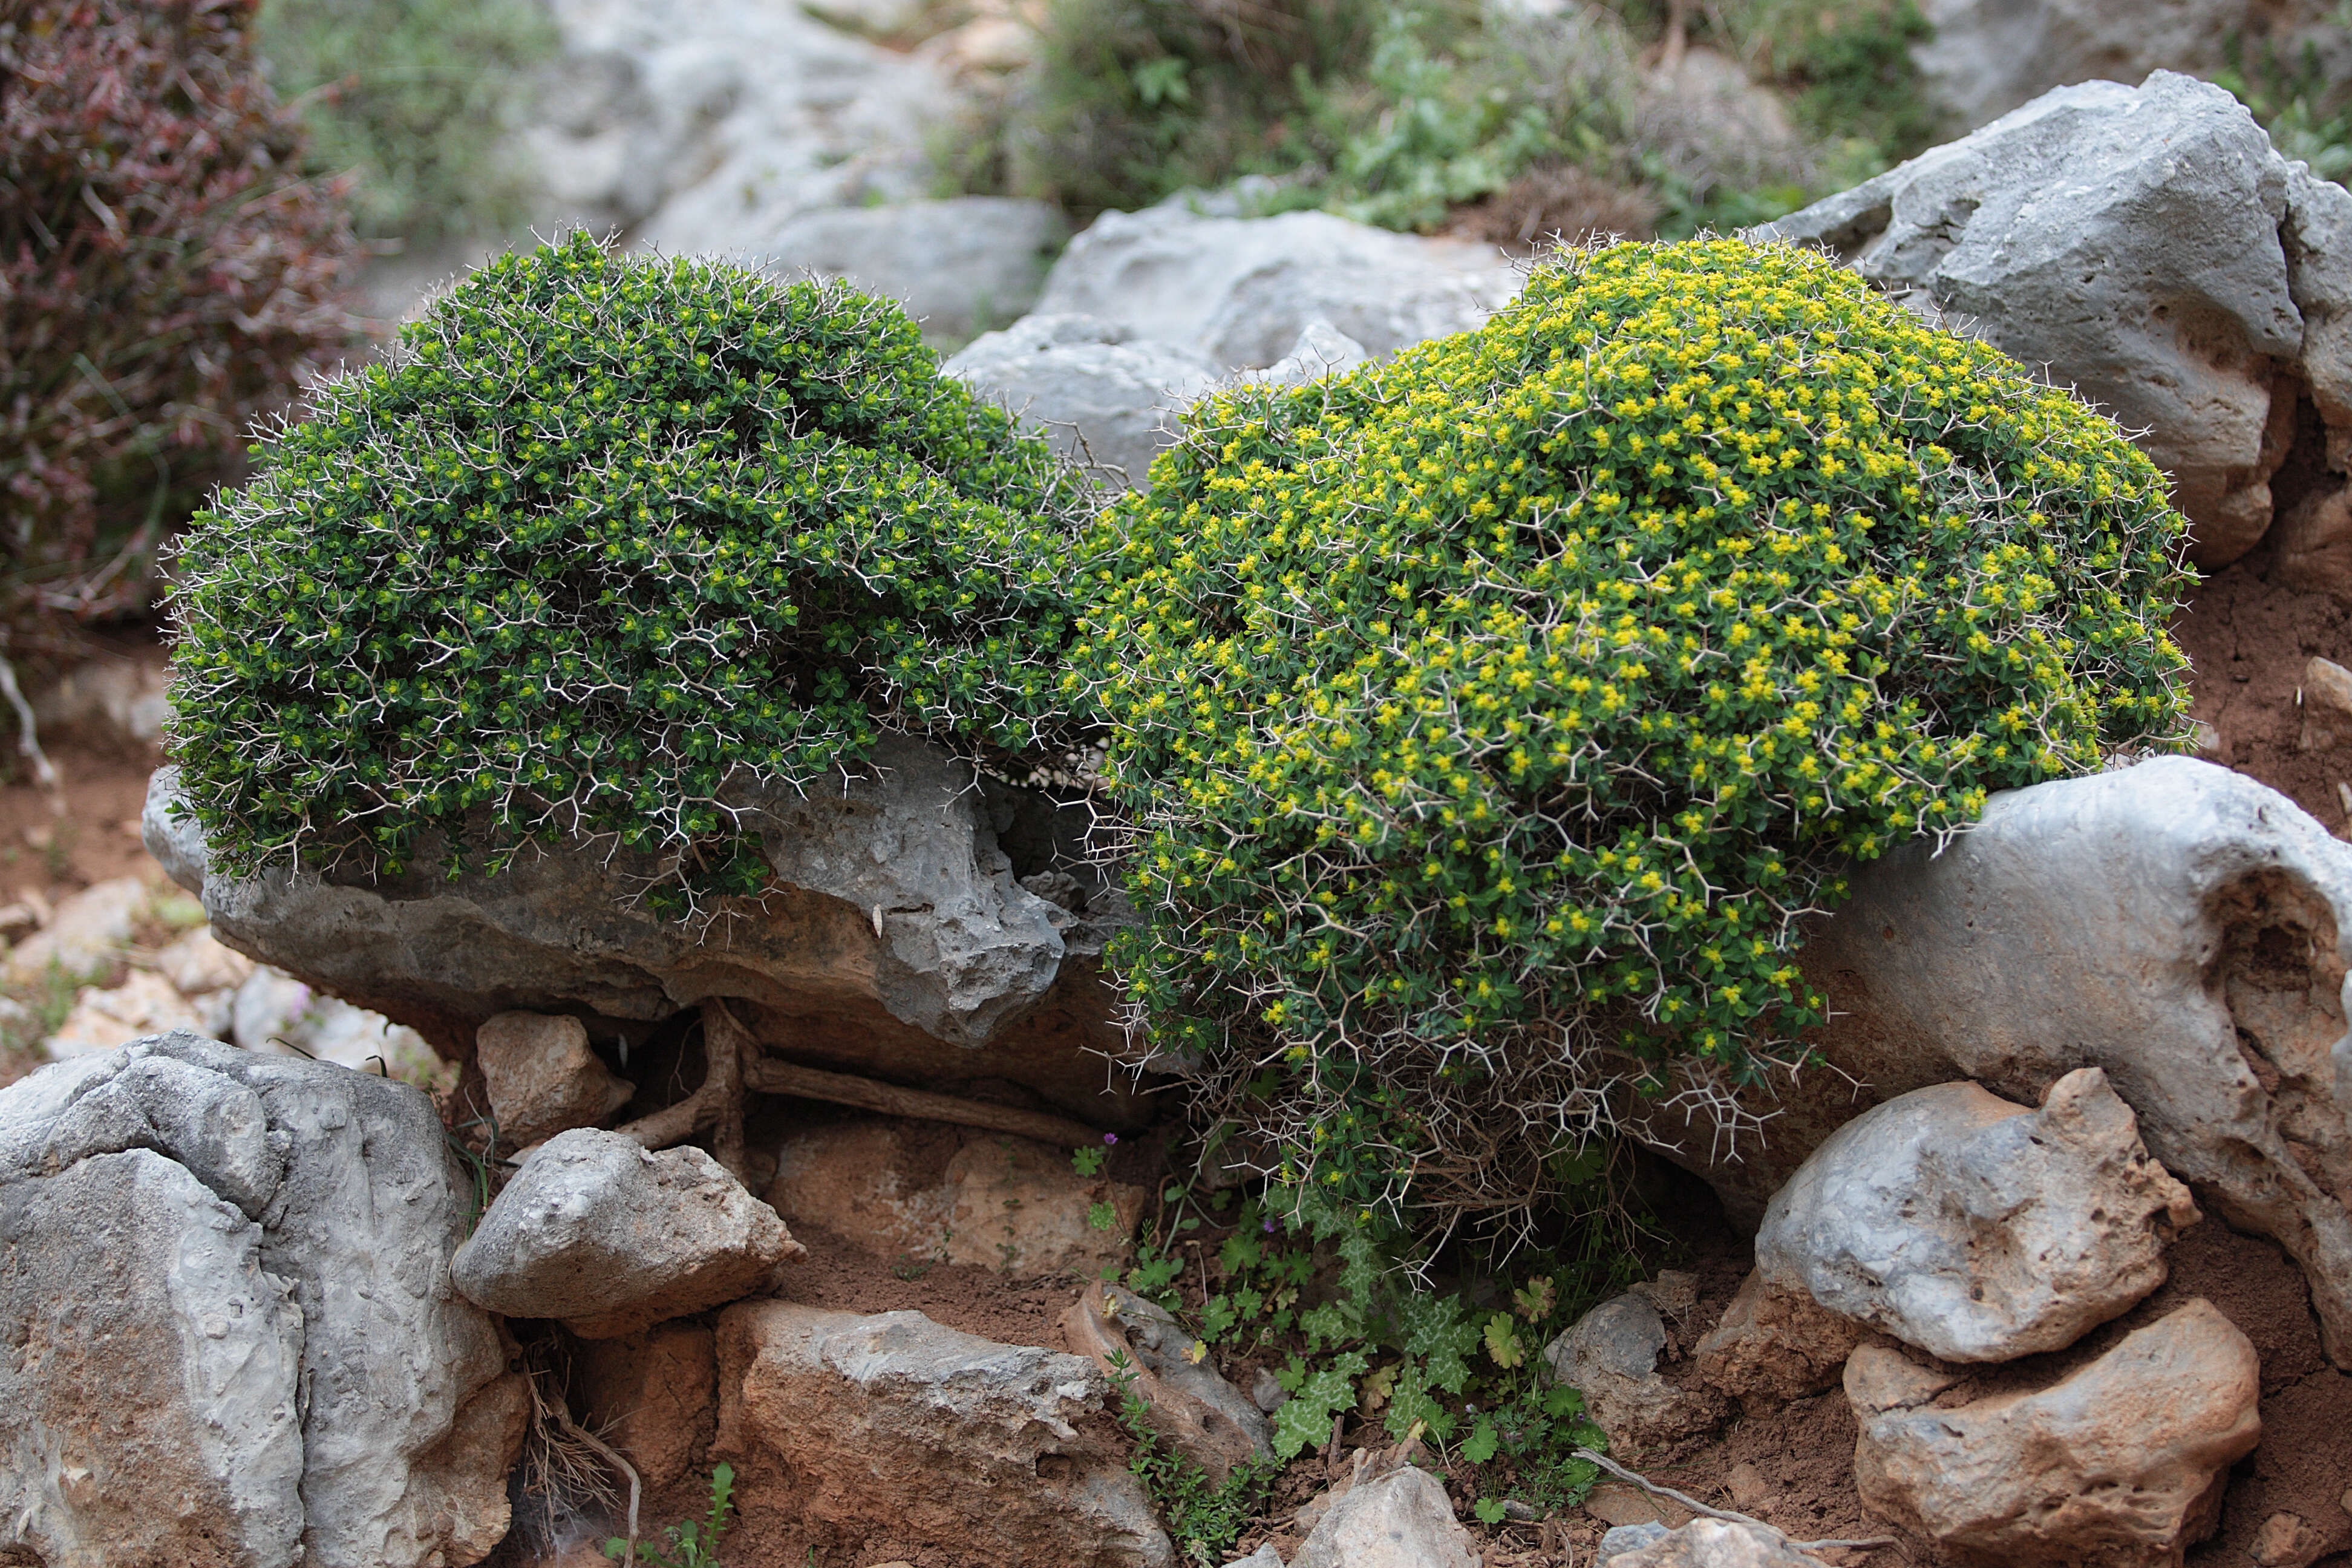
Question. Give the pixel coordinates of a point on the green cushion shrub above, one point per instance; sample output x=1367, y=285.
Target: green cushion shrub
x=1491, y=718
x=607, y=543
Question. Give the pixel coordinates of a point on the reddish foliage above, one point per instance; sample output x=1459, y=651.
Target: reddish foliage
x=166, y=276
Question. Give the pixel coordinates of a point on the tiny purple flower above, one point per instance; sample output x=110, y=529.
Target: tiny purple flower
x=1111, y=1136
x=1269, y=1227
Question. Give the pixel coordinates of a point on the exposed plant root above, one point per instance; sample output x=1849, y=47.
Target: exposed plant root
x=1708, y=1511
x=718, y=1105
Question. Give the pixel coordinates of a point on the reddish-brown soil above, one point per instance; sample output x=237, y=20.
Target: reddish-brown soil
x=2248, y=641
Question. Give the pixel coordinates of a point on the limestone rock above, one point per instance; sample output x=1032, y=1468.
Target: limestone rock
x=2177, y=924
x=198, y=964
x=1976, y=1229
x=2327, y=697
x=542, y=1078
x=227, y=1282
x=151, y=1355
x=86, y=936
x=897, y=940
x=929, y=1193
x=958, y=266
x=145, y=1004
x=272, y=1011
x=1401, y=1521
x=610, y=1236
x=1245, y=288
x=1611, y=1356
x=654, y=1395
x=704, y=124
x=2127, y=237
x=1708, y=1543
x=2120, y=1463
x=1109, y=401
x=1987, y=57
x=894, y=1425
x=1775, y=1345
x=119, y=696
x=1020, y=1210
x=1194, y=1408
x=1321, y=350
x=1263, y=1557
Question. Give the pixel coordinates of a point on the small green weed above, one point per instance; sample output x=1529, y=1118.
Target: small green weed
x=691, y=1544
x=1204, y=1517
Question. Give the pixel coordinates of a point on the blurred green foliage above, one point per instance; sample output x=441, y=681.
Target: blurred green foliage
x=418, y=98
x=1400, y=114
x=2305, y=106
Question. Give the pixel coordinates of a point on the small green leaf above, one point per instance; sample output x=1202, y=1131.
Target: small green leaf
x=1489, y=1511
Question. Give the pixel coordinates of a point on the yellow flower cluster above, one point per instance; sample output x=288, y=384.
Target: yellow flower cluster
x=1518, y=694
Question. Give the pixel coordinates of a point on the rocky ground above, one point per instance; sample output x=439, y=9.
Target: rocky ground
x=801, y=1199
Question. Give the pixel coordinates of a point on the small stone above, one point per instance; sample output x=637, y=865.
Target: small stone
x=1268, y=1394
x=1401, y=1521
x=1774, y=1344
x=542, y=1077
x=2326, y=706
x=2115, y=1461
x=2285, y=1541
x=145, y=1004
x=611, y=1238
x=200, y=963
x=85, y=935
x=1974, y=1228
x=1623, y=1537
x=2208, y=741
x=1265, y=1557
x=1712, y=1543
x=1747, y=1487
x=1193, y=1409
x=1611, y=1356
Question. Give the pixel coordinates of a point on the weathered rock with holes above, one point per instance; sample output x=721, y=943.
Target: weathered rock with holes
x=542, y=1076
x=894, y=1426
x=2130, y=239
x=2119, y=1464
x=1708, y=1543
x=226, y=1282
x=2177, y=924
x=897, y=939
x=1611, y=1356
x=1401, y=1520
x=1243, y=289
x=959, y=265
x=1193, y=1409
x=611, y=1236
x=1976, y=1229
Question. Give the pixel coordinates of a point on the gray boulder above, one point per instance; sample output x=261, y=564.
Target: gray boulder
x=612, y=1238
x=2129, y=239
x=1976, y=1229
x=894, y=1426
x=1987, y=57
x=897, y=939
x=2175, y=923
x=1401, y=1521
x=1109, y=401
x=226, y=1283
x=958, y=266
x=1241, y=289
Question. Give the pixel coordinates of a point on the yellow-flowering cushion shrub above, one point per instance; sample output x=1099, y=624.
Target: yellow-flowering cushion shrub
x=1491, y=717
